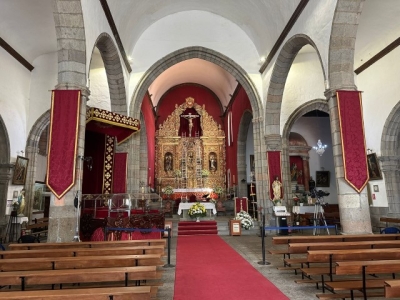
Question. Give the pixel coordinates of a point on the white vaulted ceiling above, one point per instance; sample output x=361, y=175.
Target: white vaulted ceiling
x=28, y=26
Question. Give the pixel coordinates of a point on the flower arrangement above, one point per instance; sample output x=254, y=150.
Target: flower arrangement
x=296, y=200
x=218, y=190
x=205, y=173
x=178, y=173
x=197, y=210
x=168, y=190
x=245, y=220
x=212, y=200
x=277, y=201
x=15, y=204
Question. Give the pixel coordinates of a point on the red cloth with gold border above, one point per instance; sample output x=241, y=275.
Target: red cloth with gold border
x=63, y=136
x=353, y=140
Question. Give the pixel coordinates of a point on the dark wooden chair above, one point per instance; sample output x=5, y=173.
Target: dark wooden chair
x=389, y=230
x=220, y=208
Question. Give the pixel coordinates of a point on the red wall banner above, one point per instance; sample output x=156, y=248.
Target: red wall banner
x=274, y=170
x=353, y=140
x=64, y=125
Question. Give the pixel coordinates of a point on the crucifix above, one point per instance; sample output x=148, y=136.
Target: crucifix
x=190, y=118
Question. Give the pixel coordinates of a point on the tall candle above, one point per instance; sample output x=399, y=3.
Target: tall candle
x=149, y=180
x=233, y=179
x=142, y=189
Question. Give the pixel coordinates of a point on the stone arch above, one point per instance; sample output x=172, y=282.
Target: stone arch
x=115, y=75
x=241, y=152
x=278, y=80
x=5, y=170
x=316, y=104
x=208, y=55
x=32, y=149
x=390, y=161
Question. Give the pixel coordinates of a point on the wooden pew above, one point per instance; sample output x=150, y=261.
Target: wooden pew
x=363, y=268
x=131, y=292
x=79, y=262
x=392, y=289
x=282, y=240
x=389, y=220
x=332, y=256
x=127, y=243
x=95, y=275
x=299, y=248
x=70, y=252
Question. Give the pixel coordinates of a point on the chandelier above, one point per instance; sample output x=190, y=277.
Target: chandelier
x=320, y=149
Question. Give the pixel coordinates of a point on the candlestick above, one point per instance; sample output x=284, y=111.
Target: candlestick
x=142, y=189
x=233, y=179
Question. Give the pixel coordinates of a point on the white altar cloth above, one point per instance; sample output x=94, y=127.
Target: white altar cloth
x=196, y=190
x=208, y=205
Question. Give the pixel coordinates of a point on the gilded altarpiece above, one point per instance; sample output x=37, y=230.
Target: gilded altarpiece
x=182, y=161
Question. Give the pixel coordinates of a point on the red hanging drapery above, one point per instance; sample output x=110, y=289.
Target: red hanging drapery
x=353, y=139
x=64, y=125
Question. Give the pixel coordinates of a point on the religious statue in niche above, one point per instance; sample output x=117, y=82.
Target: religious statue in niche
x=294, y=172
x=190, y=123
x=213, y=162
x=276, y=188
x=168, y=162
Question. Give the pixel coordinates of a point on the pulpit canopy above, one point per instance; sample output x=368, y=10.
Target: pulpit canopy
x=111, y=123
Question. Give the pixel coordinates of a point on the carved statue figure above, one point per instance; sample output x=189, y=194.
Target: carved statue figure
x=168, y=162
x=213, y=162
x=276, y=187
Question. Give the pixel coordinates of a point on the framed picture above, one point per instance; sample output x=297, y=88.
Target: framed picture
x=21, y=166
x=322, y=178
x=373, y=167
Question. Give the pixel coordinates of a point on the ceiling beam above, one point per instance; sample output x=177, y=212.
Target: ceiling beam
x=378, y=56
x=15, y=54
x=114, y=30
x=285, y=32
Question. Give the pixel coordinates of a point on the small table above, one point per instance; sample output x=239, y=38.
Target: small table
x=184, y=207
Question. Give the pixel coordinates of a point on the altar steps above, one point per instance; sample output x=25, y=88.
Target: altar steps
x=197, y=228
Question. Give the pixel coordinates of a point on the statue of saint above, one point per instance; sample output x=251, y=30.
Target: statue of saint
x=21, y=201
x=168, y=162
x=213, y=162
x=276, y=188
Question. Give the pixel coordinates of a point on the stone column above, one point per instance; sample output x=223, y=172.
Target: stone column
x=62, y=215
x=353, y=206
x=391, y=171
x=5, y=176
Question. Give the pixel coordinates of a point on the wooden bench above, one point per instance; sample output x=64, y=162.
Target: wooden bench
x=127, y=243
x=70, y=252
x=131, y=292
x=93, y=275
x=363, y=268
x=392, y=289
x=332, y=256
x=38, y=227
x=79, y=262
x=282, y=240
x=299, y=248
x=389, y=220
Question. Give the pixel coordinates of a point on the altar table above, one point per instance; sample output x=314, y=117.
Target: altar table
x=184, y=207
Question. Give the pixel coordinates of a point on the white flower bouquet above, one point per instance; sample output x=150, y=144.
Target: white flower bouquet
x=197, y=210
x=245, y=220
x=205, y=173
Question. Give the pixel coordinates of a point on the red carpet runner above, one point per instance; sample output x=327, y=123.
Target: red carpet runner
x=196, y=228
x=208, y=268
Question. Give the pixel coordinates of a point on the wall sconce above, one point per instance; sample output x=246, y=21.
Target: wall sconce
x=320, y=148
x=243, y=180
x=88, y=160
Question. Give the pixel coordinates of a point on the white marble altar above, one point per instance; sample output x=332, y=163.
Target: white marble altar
x=184, y=207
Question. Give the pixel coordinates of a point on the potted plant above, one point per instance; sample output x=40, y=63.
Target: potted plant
x=197, y=210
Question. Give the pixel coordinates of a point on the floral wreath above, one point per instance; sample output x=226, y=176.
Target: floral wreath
x=197, y=210
x=168, y=190
x=246, y=220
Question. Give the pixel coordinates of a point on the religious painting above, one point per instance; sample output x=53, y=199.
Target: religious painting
x=213, y=164
x=38, y=196
x=323, y=178
x=373, y=167
x=168, y=162
x=20, y=169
